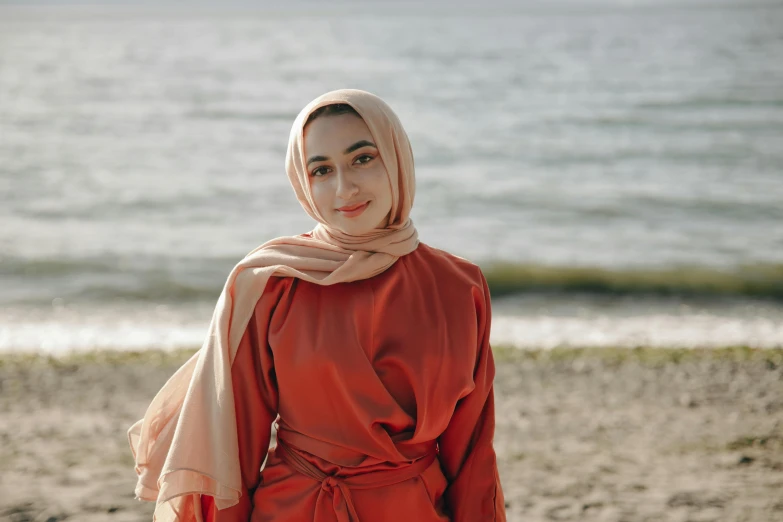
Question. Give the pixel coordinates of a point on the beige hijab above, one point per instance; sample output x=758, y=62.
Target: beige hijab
x=186, y=444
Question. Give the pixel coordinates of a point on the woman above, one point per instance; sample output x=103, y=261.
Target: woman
x=369, y=349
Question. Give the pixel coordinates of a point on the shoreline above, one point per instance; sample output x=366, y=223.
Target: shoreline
x=527, y=322
x=582, y=434
x=502, y=352
x=525, y=325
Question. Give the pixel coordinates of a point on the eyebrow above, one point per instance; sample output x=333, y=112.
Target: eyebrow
x=356, y=146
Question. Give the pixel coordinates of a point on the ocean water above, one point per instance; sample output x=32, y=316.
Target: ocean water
x=141, y=156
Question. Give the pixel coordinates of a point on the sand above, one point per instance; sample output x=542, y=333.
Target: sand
x=602, y=434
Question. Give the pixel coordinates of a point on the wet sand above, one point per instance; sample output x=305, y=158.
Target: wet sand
x=603, y=434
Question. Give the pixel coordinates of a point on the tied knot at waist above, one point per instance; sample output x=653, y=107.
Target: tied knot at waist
x=329, y=483
x=339, y=487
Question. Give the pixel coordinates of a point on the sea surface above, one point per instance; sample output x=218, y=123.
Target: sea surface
x=616, y=167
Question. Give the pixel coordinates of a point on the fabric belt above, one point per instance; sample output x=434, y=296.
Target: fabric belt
x=339, y=488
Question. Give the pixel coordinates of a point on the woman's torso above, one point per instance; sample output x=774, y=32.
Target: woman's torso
x=368, y=374
x=369, y=369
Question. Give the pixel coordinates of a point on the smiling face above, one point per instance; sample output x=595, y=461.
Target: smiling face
x=348, y=180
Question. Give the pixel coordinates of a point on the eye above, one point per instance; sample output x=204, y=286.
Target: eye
x=364, y=158
x=319, y=171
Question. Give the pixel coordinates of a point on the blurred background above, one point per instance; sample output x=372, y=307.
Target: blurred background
x=616, y=167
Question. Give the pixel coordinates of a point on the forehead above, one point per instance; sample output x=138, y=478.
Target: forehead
x=331, y=135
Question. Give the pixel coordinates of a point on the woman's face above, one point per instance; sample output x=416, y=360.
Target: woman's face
x=348, y=179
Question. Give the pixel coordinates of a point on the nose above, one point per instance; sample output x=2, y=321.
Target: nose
x=346, y=186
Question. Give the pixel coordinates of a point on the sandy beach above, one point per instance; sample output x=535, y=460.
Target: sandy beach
x=595, y=434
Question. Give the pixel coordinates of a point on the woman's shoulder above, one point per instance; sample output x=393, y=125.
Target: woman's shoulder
x=450, y=266
x=275, y=289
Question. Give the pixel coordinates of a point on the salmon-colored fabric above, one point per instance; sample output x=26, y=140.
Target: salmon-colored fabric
x=186, y=445
x=367, y=378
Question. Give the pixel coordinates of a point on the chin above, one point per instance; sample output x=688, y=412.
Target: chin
x=355, y=228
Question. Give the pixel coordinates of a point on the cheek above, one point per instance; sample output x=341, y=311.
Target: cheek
x=382, y=188
x=322, y=196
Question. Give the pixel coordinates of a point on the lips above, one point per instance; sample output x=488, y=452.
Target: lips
x=352, y=208
x=352, y=211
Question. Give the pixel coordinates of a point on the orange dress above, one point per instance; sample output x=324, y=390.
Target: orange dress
x=384, y=392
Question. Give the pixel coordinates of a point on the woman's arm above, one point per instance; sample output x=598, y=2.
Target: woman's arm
x=255, y=401
x=474, y=493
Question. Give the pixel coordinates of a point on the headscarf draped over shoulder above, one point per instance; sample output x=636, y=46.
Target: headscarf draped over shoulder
x=186, y=444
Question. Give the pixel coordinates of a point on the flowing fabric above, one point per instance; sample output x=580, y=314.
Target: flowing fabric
x=362, y=381
x=186, y=444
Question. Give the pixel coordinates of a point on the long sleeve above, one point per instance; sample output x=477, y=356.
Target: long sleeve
x=474, y=493
x=255, y=400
